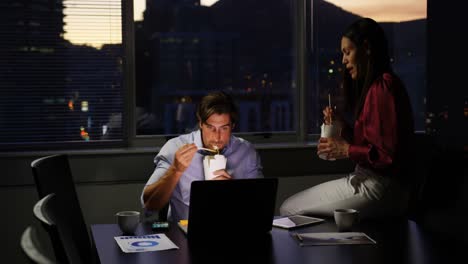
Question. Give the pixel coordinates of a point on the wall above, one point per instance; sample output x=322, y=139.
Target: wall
x=446, y=188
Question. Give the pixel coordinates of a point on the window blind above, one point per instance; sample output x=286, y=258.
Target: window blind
x=60, y=72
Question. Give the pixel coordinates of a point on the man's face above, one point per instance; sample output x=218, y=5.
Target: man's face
x=216, y=131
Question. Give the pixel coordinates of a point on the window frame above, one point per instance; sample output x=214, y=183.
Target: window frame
x=301, y=10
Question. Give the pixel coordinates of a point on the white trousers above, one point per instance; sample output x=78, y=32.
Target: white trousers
x=375, y=196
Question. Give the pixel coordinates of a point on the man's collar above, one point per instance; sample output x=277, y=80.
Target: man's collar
x=198, y=139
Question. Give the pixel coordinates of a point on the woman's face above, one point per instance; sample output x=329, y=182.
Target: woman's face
x=349, y=57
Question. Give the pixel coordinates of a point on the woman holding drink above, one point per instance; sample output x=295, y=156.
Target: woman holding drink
x=378, y=139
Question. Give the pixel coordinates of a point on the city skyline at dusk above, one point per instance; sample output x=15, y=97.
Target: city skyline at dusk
x=385, y=10
x=183, y=49
x=87, y=25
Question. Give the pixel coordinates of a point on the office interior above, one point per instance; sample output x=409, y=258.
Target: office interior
x=111, y=179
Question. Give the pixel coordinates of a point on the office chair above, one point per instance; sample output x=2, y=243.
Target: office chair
x=33, y=247
x=67, y=227
x=31, y=243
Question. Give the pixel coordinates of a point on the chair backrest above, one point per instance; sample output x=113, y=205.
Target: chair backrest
x=33, y=246
x=52, y=175
x=46, y=211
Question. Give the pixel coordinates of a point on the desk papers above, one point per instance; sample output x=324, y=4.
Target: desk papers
x=154, y=242
x=342, y=238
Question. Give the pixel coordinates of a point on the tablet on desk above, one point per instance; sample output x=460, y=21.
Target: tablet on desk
x=294, y=221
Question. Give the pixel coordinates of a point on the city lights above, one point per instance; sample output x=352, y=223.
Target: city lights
x=84, y=106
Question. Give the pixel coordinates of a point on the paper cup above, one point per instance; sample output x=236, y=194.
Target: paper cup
x=328, y=131
x=212, y=164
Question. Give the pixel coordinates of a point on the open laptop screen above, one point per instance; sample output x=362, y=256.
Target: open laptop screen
x=234, y=207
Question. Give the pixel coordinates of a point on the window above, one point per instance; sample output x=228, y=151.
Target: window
x=405, y=25
x=61, y=73
x=185, y=48
x=61, y=81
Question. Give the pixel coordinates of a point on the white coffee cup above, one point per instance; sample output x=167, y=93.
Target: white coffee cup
x=329, y=131
x=128, y=221
x=345, y=219
x=212, y=163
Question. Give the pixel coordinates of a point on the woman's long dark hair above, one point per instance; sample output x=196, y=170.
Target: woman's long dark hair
x=372, y=61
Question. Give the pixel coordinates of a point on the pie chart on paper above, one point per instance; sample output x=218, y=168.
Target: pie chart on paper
x=144, y=243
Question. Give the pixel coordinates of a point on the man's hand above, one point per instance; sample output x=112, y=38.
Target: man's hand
x=334, y=148
x=221, y=175
x=183, y=157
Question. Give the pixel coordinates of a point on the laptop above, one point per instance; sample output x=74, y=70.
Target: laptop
x=233, y=207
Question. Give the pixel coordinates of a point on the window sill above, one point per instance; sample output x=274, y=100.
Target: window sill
x=144, y=150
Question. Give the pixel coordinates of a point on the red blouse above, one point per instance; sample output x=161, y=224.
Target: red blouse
x=384, y=127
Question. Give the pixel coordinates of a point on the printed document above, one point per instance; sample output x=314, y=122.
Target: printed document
x=154, y=242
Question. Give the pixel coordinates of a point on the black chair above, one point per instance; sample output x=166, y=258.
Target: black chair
x=67, y=226
x=33, y=243
x=34, y=247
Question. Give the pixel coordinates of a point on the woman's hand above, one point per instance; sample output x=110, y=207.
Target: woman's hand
x=327, y=115
x=333, y=148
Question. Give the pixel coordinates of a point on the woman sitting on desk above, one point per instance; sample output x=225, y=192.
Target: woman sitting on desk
x=378, y=141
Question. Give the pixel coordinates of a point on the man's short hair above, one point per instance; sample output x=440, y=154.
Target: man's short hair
x=217, y=102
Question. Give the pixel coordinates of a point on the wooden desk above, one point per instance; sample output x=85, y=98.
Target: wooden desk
x=398, y=242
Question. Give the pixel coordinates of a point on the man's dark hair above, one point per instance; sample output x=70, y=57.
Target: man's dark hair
x=217, y=102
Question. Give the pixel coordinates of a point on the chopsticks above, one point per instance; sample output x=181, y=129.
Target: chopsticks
x=329, y=106
x=210, y=150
